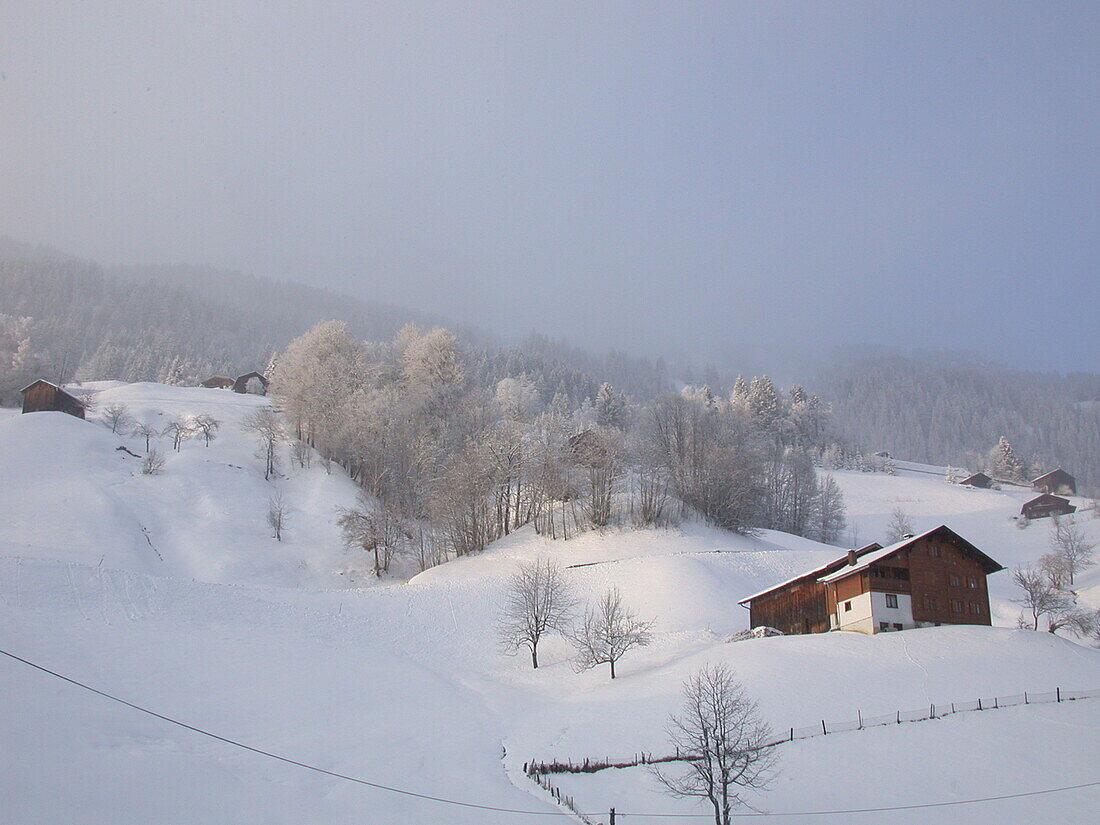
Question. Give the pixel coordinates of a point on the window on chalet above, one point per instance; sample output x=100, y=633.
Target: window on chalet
x=929, y=603
x=847, y=607
x=897, y=626
x=972, y=583
x=891, y=600
x=975, y=608
x=956, y=606
x=954, y=580
x=883, y=625
x=933, y=550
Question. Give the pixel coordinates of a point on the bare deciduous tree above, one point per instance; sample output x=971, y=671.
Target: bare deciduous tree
x=1070, y=545
x=207, y=426
x=538, y=602
x=725, y=742
x=268, y=429
x=899, y=526
x=146, y=431
x=179, y=430
x=607, y=632
x=276, y=515
x=153, y=462
x=375, y=530
x=116, y=416
x=1040, y=595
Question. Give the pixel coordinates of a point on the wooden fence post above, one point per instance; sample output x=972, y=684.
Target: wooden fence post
x=611, y=818
x=824, y=730
x=1058, y=693
x=859, y=714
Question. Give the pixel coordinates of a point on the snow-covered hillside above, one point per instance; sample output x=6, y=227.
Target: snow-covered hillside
x=213, y=622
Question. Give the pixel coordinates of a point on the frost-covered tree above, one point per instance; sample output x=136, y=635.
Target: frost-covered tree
x=375, y=530
x=611, y=407
x=116, y=417
x=538, y=601
x=146, y=431
x=725, y=742
x=1071, y=546
x=265, y=424
x=1040, y=595
x=277, y=515
x=1004, y=463
x=206, y=426
x=179, y=430
x=828, y=514
x=899, y=526
x=608, y=632
x=153, y=463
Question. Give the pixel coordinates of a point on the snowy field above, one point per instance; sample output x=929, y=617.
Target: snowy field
x=169, y=592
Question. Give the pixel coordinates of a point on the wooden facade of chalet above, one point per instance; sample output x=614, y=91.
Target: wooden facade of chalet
x=42, y=396
x=937, y=577
x=1057, y=482
x=1045, y=506
x=798, y=605
x=978, y=480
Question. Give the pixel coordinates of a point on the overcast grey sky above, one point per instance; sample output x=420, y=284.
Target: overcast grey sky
x=674, y=176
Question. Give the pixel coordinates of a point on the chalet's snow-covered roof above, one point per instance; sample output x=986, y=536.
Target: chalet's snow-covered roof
x=1054, y=472
x=869, y=559
x=868, y=548
x=989, y=564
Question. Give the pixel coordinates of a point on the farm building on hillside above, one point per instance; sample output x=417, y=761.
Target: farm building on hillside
x=42, y=396
x=1045, y=506
x=217, y=382
x=251, y=382
x=978, y=480
x=1057, y=481
x=934, y=578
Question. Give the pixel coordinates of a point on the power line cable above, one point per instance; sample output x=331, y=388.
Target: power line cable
x=496, y=809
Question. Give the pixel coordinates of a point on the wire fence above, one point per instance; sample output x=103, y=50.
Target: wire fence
x=537, y=769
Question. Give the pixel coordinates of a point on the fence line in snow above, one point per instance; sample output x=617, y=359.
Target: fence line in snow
x=536, y=770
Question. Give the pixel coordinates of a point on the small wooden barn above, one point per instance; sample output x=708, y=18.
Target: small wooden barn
x=218, y=382
x=937, y=577
x=978, y=480
x=1058, y=482
x=1046, y=505
x=42, y=396
x=253, y=379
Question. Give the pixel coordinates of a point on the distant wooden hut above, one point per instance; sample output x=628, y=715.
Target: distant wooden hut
x=1058, y=482
x=42, y=396
x=243, y=383
x=978, y=480
x=1045, y=506
x=218, y=382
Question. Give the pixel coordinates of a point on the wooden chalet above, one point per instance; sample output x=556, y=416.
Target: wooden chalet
x=242, y=382
x=218, y=382
x=798, y=605
x=978, y=480
x=1046, y=505
x=1057, y=482
x=42, y=396
x=934, y=578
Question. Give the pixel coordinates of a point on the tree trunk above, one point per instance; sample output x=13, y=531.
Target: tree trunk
x=535, y=656
x=612, y=668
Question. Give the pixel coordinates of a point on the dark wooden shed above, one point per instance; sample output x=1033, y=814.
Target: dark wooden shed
x=218, y=382
x=1045, y=506
x=42, y=396
x=978, y=480
x=1057, y=481
x=242, y=382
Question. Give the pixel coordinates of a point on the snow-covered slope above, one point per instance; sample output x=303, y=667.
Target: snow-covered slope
x=213, y=622
x=72, y=494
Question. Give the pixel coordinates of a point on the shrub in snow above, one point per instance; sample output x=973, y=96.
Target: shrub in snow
x=756, y=633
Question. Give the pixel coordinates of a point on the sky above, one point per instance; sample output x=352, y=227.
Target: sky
x=695, y=179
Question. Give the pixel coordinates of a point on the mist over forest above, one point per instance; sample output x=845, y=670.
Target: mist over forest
x=70, y=319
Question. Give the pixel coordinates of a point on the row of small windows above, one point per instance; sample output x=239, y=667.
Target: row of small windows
x=957, y=606
x=956, y=581
x=890, y=573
